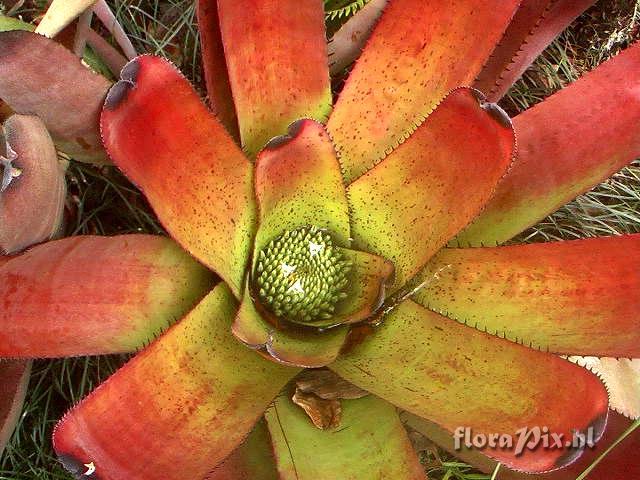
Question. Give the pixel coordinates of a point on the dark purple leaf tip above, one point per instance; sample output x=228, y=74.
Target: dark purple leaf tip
x=130, y=71
x=594, y=432
x=292, y=132
x=78, y=469
x=295, y=127
x=117, y=93
x=498, y=114
x=492, y=109
x=480, y=97
x=278, y=141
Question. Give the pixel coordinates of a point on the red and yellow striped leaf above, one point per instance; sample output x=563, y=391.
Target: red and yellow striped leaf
x=370, y=442
x=32, y=204
x=176, y=410
x=534, y=26
x=276, y=54
x=456, y=376
x=199, y=183
x=565, y=297
x=40, y=77
x=418, y=52
x=408, y=206
x=95, y=295
x=567, y=144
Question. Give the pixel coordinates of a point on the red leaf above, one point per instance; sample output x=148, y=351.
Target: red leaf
x=567, y=144
x=276, y=54
x=95, y=295
x=534, y=26
x=215, y=67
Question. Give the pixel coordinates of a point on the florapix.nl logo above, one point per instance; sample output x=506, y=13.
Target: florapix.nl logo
x=526, y=438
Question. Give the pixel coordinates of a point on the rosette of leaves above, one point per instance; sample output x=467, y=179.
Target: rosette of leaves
x=352, y=235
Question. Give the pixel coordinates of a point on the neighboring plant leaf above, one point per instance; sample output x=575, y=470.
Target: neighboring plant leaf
x=32, y=203
x=567, y=144
x=113, y=59
x=14, y=379
x=95, y=295
x=571, y=297
x=60, y=14
x=369, y=443
x=103, y=60
x=621, y=466
x=414, y=194
x=180, y=407
x=276, y=54
x=347, y=43
x=534, y=26
x=197, y=180
x=622, y=378
x=10, y=23
x=109, y=20
x=38, y=76
x=411, y=61
x=459, y=377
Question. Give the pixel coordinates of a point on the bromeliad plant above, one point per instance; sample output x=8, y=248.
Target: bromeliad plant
x=328, y=233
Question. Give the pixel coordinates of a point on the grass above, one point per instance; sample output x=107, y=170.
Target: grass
x=601, y=32
x=101, y=201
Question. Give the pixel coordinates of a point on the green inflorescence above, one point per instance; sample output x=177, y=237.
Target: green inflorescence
x=301, y=275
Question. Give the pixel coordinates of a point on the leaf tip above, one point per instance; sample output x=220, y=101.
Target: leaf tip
x=498, y=114
x=129, y=72
x=493, y=109
x=293, y=131
x=117, y=93
x=78, y=469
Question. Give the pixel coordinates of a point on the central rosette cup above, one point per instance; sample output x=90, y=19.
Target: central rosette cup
x=301, y=276
x=307, y=283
